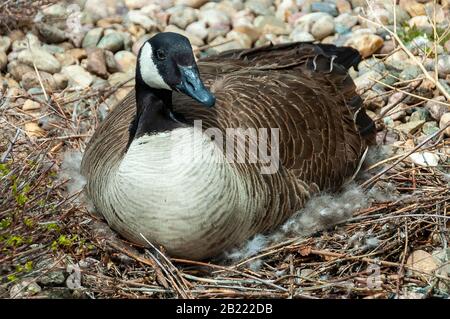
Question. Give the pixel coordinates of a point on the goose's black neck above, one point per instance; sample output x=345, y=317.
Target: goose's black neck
x=153, y=111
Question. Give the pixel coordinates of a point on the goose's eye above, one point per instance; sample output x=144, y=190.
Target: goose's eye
x=160, y=55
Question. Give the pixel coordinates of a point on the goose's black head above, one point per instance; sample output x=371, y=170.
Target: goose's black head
x=166, y=61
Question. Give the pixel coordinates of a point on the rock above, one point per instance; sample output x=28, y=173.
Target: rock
x=443, y=65
x=198, y=29
x=24, y=289
x=414, y=8
x=141, y=19
x=30, y=80
x=192, y=38
x=191, y=3
x=437, y=109
x=373, y=99
x=33, y=129
x=397, y=113
x=344, y=23
x=372, y=64
x=398, y=61
x=126, y=61
x=52, y=278
x=299, y=35
x=260, y=7
x=65, y=59
x=426, y=159
x=326, y=7
x=30, y=105
x=286, y=9
x=420, y=114
x=51, y=34
x=271, y=24
x=214, y=17
x=182, y=16
x=78, y=54
x=445, y=122
x=61, y=81
x=17, y=70
x=78, y=78
x=92, y=38
x=429, y=128
x=5, y=43
x=100, y=9
x=422, y=23
x=323, y=27
x=139, y=4
x=366, y=44
x=424, y=264
x=43, y=60
x=139, y=43
x=366, y=80
x=250, y=31
x=410, y=127
x=111, y=62
x=343, y=6
x=112, y=42
x=96, y=62
x=3, y=60
x=410, y=73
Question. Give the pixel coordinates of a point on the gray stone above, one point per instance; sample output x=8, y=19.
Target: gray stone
x=25, y=288
x=366, y=80
x=111, y=62
x=5, y=43
x=420, y=114
x=299, y=35
x=17, y=70
x=141, y=19
x=112, y=42
x=77, y=76
x=372, y=64
x=326, y=7
x=92, y=38
x=323, y=27
x=430, y=128
x=30, y=80
x=43, y=60
x=443, y=65
x=260, y=7
x=51, y=34
x=409, y=73
x=126, y=61
x=53, y=278
x=410, y=127
x=182, y=16
x=344, y=23
x=437, y=109
x=96, y=63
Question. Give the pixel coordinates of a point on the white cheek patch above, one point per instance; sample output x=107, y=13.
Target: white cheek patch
x=149, y=71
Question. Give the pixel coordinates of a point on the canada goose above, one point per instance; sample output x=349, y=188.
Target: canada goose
x=143, y=179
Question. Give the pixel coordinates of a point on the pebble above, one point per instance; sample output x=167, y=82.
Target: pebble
x=141, y=19
x=445, y=122
x=344, y=23
x=366, y=44
x=192, y=38
x=421, y=114
x=126, y=61
x=61, y=81
x=96, y=62
x=326, y=7
x=366, y=80
x=299, y=35
x=343, y=6
x=271, y=24
x=182, y=16
x=430, y=127
x=323, y=27
x=51, y=34
x=3, y=60
x=410, y=127
x=52, y=278
x=437, y=109
x=198, y=29
x=33, y=129
x=43, y=60
x=113, y=42
x=100, y=9
x=422, y=23
x=397, y=113
x=426, y=159
x=30, y=80
x=5, y=43
x=17, y=70
x=409, y=73
x=30, y=105
x=286, y=9
x=25, y=288
x=372, y=64
x=443, y=65
x=78, y=77
x=191, y=3
x=260, y=7
x=414, y=8
x=423, y=263
x=92, y=38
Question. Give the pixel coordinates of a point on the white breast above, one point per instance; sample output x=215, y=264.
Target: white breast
x=176, y=189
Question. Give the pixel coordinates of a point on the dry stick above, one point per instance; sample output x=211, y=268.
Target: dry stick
x=373, y=179
x=10, y=147
x=170, y=266
x=414, y=58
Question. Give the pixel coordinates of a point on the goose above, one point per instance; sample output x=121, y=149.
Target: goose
x=156, y=175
